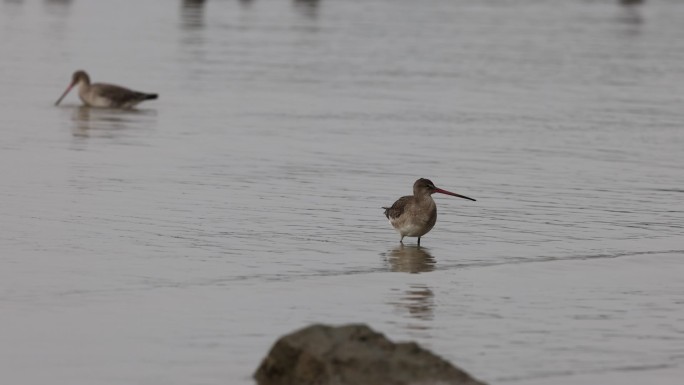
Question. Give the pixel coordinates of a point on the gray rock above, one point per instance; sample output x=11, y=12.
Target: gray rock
x=353, y=355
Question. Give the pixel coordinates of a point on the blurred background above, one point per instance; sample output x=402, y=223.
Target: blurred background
x=172, y=244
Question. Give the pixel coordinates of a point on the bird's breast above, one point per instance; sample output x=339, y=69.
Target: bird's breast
x=417, y=219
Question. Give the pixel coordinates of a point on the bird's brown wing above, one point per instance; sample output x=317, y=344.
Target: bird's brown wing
x=397, y=208
x=117, y=94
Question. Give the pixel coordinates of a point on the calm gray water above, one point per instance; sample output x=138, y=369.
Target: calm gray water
x=173, y=244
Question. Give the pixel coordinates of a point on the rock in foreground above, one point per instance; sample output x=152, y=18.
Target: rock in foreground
x=353, y=355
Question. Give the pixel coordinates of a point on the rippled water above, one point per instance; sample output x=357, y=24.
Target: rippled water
x=174, y=243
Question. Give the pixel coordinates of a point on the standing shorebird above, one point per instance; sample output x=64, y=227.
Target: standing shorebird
x=104, y=95
x=415, y=215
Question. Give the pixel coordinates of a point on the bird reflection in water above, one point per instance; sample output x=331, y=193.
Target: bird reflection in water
x=192, y=14
x=630, y=13
x=59, y=9
x=419, y=302
x=109, y=122
x=630, y=3
x=58, y=2
x=307, y=7
x=87, y=118
x=410, y=259
x=81, y=119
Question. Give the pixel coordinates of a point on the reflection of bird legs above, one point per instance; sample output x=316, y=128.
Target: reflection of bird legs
x=410, y=259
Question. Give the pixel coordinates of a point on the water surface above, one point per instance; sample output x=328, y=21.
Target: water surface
x=174, y=243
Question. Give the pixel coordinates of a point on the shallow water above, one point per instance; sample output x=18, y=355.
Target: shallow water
x=174, y=243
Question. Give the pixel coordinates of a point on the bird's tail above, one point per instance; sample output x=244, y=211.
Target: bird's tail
x=386, y=211
x=150, y=96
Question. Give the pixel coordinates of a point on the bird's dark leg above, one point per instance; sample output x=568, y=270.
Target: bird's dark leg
x=401, y=240
x=418, y=241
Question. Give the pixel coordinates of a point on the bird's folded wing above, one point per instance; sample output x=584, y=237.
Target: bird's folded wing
x=397, y=208
x=118, y=94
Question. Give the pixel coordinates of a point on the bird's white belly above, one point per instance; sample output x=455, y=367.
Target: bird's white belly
x=97, y=101
x=411, y=228
x=92, y=99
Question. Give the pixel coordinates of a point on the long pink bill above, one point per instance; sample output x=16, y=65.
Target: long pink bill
x=65, y=93
x=439, y=190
